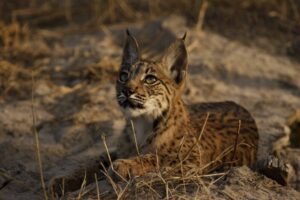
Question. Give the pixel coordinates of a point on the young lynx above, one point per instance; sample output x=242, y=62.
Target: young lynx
x=163, y=133
x=169, y=134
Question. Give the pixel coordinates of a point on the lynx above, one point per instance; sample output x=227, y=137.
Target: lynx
x=168, y=133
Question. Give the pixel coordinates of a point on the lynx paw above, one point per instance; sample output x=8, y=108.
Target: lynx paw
x=124, y=169
x=59, y=185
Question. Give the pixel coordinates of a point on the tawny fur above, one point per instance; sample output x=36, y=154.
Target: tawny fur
x=199, y=137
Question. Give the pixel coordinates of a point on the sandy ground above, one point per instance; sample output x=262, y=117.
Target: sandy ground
x=74, y=101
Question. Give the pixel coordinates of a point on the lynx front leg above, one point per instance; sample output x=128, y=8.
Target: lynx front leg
x=135, y=166
x=72, y=179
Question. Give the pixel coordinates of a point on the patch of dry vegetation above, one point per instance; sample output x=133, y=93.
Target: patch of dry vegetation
x=236, y=19
x=41, y=13
x=14, y=80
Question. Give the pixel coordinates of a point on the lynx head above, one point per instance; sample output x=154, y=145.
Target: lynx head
x=149, y=88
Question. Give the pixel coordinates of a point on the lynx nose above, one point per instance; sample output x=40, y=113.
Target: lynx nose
x=128, y=91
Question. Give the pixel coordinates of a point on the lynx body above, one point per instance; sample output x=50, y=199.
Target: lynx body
x=166, y=132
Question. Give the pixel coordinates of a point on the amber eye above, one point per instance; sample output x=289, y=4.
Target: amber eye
x=150, y=79
x=124, y=76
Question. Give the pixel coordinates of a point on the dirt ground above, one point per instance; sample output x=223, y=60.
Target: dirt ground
x=72, y=82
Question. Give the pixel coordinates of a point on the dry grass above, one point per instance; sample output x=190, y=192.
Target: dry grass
x=37, y=143
x=97, y=187
x=46, y=13
x=11, y=76
x=12, y=34
x=165, y=183
x=82, y=188
x=162, y=185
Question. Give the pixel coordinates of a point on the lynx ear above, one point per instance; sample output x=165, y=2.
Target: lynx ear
x=130, y=51
x=175, y=60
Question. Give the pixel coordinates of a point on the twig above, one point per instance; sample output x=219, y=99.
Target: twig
x=198, y=139
x=201, y=15
x=236, y=141
x=82, y=187
x=134, y=136
x=114, y=185
x=97, y=186
x=228, y=195
x=165, y=183
x=219, y=178
x=109, y=158
x=219, y=157
x=123, y=191
x=203, y=127
x=167, y=190
x=206, y=189
x=153, y=190
x=136, y=145
x=106, y=149
x=63, y=188
x=37, y=143
x=157, y=161
x=180, y=147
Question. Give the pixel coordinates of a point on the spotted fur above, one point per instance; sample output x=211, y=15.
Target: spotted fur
x=199, y=137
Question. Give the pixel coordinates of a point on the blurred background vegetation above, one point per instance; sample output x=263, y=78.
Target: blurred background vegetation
x=280, y=14
x=283, y=13
x=27, y=27
x=278, y=20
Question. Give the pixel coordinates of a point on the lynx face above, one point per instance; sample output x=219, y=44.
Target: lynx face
x=143, y=90
x=147, y=88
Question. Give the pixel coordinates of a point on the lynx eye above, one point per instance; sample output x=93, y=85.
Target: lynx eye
x=124, y=76
x=150, y=79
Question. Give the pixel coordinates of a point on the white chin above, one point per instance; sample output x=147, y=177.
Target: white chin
x=132, y=113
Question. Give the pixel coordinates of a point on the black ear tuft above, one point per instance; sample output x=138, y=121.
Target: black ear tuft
x=128, y=32
x=131, y=51
x=184, y=36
